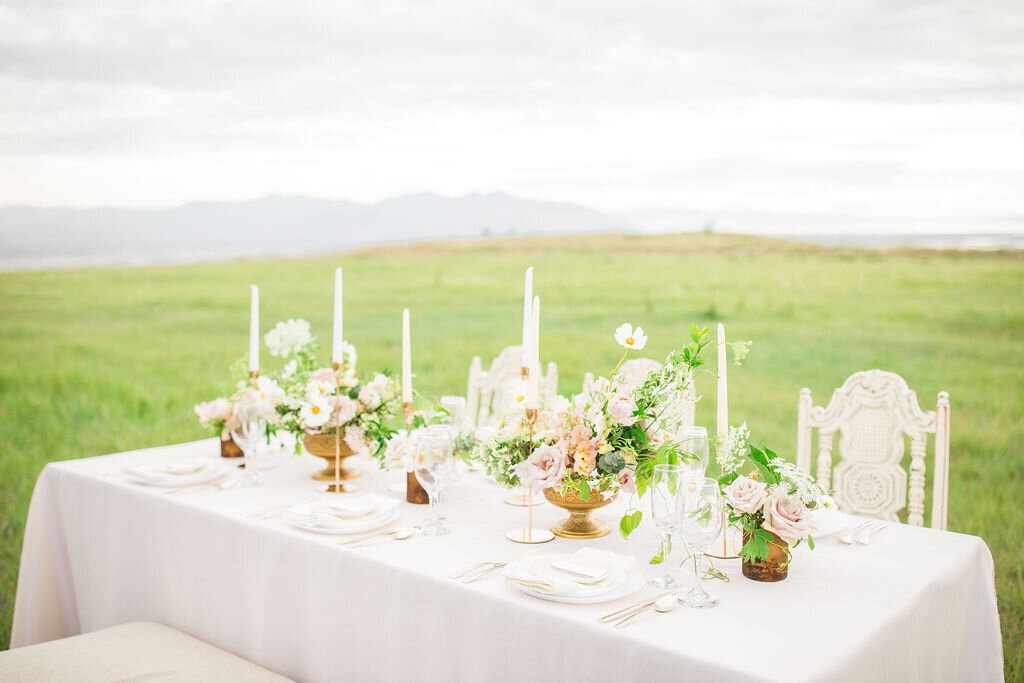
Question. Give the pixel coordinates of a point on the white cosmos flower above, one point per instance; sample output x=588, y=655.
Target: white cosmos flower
x=630, y=338
x=315, y=413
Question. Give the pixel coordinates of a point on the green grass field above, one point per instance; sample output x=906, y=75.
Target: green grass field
x=99, y=361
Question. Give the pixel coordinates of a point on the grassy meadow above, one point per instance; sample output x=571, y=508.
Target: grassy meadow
x=99, y=361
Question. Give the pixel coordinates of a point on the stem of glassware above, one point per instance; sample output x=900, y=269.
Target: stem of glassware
x=432, y=497
x=696, y=573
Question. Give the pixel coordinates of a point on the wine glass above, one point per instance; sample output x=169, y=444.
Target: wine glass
x=432, y=463
x=700, y=522
x=666, y=483
x=692, y=450
x=250, y=428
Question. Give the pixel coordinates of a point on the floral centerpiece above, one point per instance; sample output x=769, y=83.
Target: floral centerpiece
x=219, y=415
x=318, y=402
x=583, y=452
x=774, y=508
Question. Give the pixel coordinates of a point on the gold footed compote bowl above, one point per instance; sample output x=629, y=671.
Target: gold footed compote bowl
x=327, y=447
x=579, y=524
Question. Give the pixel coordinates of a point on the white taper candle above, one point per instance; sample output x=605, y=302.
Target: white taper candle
x=527, y=317
x=723, y=391
x=406, y=359
x=533, y=385
x=339, y=335
x=254, y=330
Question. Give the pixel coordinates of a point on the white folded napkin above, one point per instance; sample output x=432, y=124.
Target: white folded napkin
x=595, y=572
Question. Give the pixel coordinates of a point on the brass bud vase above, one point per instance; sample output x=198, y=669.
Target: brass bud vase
x=230, y=449
x=327, y=446
x=414, y=491
x=773, y=568
x=579, y=524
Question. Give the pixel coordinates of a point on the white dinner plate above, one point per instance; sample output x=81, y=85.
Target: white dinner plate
x=633, y=582
x=301, y=517
x=830, y=523
x=172, y=475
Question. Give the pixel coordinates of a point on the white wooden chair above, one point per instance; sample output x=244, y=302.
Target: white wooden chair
x=873, y=412
x=491, y=394
x=633, y=373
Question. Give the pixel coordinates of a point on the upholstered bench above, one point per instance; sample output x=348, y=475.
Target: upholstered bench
x=138, y=651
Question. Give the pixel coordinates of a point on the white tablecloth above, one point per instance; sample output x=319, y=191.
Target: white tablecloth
x=915, y=605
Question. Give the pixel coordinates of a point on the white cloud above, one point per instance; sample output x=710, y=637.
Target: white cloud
x=875, y=109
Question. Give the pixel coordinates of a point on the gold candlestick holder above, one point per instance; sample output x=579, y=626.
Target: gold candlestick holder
x=524, y=498
x=254, y=376
x=337, y=486
x=529, y=534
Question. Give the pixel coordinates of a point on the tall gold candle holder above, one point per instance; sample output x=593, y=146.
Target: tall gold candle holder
x=529, y=534
x=524, y=499
x=336, y=486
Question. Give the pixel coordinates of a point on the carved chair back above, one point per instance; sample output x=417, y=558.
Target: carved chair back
x=496, y=392
x=873, y=413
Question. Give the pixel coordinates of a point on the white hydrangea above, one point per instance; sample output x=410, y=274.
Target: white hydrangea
x=740, y=350
x=287, y=337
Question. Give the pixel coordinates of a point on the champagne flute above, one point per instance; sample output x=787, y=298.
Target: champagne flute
x=700, y=523
x=666, y=483
x=432, y=463
x=250, y=428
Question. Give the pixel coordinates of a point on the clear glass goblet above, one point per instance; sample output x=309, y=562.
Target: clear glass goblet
x=666, y=483
x=432, y=463
x=700, y=523
x=250, y=429
x=692, y=450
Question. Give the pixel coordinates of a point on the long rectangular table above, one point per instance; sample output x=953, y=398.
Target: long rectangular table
x=915, y=605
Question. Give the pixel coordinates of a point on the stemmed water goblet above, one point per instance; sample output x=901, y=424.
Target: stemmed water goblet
x=666, y=484
x=700, y=523
x=692, y=450
x=432, y=463
x=250, y=428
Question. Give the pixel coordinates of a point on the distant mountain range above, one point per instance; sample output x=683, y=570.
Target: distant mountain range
x=37, y=237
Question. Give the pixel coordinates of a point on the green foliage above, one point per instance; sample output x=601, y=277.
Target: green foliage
x=106, y=360
x=611, y=462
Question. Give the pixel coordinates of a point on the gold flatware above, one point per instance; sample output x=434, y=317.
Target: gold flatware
x=865, y=538
x=665, y=603
x=479, y=570
x=202, y=487
x=848, y=538
x=625, y=610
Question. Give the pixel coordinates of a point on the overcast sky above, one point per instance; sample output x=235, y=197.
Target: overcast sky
x=870, y=110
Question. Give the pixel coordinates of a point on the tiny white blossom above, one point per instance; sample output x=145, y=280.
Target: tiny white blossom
x=287, y=337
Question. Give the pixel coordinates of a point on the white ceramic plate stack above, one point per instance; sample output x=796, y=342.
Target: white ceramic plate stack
x=584, y=577
x=175, y=474
x=348, y=515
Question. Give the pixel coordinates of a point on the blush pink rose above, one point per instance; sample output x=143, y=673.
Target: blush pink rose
x=323, y=375
x=345, y=409
x=627, y=480
x=746, y=495
x=545, y=467
x=787, y=518
x=622, y=408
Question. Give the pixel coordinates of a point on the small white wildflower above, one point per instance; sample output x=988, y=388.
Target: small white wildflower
x=287, y=337
x=740, y=350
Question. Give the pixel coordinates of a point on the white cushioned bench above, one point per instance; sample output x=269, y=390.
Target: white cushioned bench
x=138, y=651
